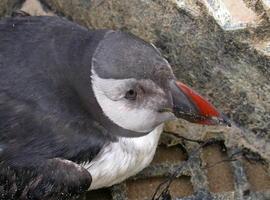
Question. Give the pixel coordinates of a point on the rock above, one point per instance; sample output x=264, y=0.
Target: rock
x=219, y=51
x=32, y=7
x=7, y=6
x=35, y=8
x=266, y=5
x=226, y=14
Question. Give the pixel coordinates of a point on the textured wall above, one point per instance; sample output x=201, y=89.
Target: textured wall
x=6, y=6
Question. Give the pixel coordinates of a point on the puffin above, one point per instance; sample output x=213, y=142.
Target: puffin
x=82, y=109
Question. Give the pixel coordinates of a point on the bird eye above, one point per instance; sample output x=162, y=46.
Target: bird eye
x=131, y=94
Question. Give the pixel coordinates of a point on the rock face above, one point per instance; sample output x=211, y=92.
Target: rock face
x=221, y=52
x=6, y=7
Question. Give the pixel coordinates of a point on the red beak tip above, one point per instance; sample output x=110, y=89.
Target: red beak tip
x=206, y=109
x=215, y=121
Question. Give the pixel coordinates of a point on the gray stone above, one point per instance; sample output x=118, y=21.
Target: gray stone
x=7, y=6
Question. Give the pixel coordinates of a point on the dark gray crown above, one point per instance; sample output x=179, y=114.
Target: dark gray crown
x=121, y=55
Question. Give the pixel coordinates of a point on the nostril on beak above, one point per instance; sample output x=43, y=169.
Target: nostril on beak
x=224, y=120
x=162, y=110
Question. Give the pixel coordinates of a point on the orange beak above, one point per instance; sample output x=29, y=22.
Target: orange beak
x=191, y=106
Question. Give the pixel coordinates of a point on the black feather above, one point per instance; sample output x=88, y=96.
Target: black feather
x=45, y=98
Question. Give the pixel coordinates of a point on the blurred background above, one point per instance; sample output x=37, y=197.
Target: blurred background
x=221, y=48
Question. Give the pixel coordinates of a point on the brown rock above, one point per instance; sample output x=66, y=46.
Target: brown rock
x=7, y=6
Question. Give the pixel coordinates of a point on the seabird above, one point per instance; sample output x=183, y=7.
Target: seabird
x=82, y=109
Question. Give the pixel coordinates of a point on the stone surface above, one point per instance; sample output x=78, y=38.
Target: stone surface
x=266, y=5
x=257, y=176
x=220, y=176
x=7, y=6
x=227, y=15
x=35, y=8
x=32, y=7
x=144, y=189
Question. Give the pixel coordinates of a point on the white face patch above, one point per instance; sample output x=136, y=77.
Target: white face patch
x=144, y=117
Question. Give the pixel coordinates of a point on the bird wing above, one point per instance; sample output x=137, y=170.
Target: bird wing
x=43, y=67
x=45, y=129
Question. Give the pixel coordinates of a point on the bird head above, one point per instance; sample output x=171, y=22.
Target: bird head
x=137, y=90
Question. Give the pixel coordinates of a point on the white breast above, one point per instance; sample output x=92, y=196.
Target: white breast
x=120, y=160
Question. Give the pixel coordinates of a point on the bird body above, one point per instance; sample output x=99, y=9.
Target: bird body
x=81, y=109
x=43, y=123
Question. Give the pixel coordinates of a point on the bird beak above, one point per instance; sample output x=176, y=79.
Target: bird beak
x=191, y=106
